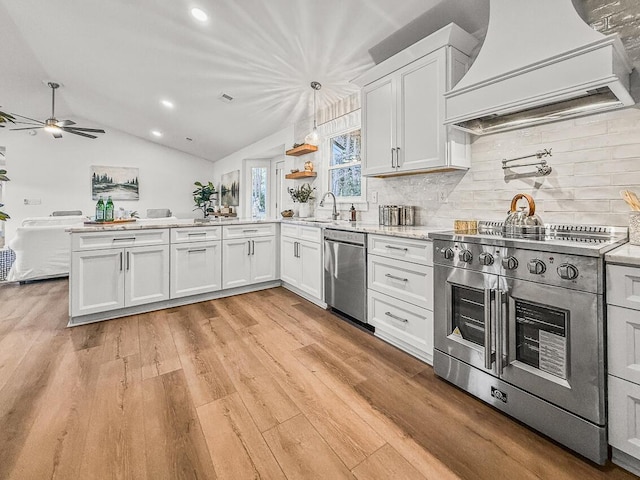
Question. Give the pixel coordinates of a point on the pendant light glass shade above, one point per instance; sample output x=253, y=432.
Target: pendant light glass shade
x=313, y=138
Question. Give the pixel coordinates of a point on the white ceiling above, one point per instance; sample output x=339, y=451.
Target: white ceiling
x=118, y=58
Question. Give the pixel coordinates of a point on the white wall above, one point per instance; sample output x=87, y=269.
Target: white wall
x=57, y=171
x=594, y=157
x=272, y=146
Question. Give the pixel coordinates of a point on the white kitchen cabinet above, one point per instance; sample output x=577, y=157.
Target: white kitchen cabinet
x=400, y=293
x=403, y=108
x=117, y=278
x=196, y=267
x=301, y=259
x=248, y=255
x=623, y=352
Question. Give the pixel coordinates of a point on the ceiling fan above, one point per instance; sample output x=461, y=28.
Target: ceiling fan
x=55, y=126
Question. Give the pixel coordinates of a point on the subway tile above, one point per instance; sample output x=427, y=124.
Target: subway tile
x=628, y=179
x=600, y=206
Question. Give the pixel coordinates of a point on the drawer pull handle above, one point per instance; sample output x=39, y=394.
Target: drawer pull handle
x=123, y=239
x=388, y=275
x=197, y=250
x=396, y=248
x=196, y=234
x=250, y=231
x=395, y=317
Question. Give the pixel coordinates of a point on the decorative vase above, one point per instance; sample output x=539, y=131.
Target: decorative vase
x=305, y=210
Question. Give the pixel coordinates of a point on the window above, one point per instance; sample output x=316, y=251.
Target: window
x=259, y=192
x=345, y=176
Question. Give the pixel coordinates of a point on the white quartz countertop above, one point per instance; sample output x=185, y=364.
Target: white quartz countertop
x=418, y=232
x=626, y=254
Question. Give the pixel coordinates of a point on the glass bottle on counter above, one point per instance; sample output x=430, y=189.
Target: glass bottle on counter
x=100, y=210
x=352, y=213
x=108, y=210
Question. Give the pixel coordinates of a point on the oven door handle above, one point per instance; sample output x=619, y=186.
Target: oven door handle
x=488, y=360
x=501, y=333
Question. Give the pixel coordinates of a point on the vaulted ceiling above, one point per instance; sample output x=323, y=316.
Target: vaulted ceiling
x=118, y=59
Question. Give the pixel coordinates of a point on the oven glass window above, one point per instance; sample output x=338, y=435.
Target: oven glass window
x=468, y=313
x=541, y=337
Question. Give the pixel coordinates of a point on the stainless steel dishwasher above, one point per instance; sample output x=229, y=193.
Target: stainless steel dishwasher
x=345, y=272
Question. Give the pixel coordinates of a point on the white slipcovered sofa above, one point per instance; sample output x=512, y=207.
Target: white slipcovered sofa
x=42, y=247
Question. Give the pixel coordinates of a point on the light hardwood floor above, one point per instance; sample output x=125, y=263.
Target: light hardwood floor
x=263, y=385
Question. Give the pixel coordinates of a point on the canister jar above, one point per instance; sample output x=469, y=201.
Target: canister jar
x=634, y=228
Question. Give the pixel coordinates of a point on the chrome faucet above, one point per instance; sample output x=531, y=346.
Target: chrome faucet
x=334, y=214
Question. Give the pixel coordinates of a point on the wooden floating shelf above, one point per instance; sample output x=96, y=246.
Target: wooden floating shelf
x=302, y=150
x=300, y=175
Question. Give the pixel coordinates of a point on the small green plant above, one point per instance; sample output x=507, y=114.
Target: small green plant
x=302, y=194
x=3, y=178
x=202, y=197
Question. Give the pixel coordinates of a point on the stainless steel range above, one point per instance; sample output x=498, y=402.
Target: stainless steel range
x=519, y=323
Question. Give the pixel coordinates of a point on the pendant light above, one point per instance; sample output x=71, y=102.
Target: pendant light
x=312, y=138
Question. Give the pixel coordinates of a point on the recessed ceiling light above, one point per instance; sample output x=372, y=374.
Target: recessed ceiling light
x=167, y=103
x=156, y=133
x=199, y=14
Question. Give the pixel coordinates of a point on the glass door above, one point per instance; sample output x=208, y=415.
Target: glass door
x=464, y=312
x=554, y=345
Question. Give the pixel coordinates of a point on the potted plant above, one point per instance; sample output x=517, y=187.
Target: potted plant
x=6, y=117
x=3, y=178
x=302, y=195
x=204, y=197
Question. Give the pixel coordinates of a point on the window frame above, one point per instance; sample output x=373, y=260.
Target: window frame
x=360, y=199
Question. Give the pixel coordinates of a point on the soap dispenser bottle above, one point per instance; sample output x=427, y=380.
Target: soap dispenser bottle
x=352, y=212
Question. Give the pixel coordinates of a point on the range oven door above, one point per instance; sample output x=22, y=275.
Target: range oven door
x=464, y=315
x=552, y=345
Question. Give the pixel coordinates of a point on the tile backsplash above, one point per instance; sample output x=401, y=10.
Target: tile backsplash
x=593, y=158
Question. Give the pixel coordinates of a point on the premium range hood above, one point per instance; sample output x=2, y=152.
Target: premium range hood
x=540, y=62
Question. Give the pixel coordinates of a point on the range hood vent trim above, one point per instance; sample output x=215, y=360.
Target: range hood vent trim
x=562, y=77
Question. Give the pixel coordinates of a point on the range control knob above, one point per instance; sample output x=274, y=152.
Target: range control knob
x=510, y=263
x=537, y=267
x=465, y=256
x=485, y=258
x=447, y=253
x=567, y=271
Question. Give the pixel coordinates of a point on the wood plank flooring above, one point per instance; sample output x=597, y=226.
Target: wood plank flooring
x=259, y=386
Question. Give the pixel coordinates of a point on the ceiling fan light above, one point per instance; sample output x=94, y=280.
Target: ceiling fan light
x=199, y=14
x=52, y=129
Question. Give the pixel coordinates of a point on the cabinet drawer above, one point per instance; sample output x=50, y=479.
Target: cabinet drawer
x=406, y=281
x=409, y=324
x=195, y=234
x=302, y=232
x=249, y=230
x=624, y=416
x=116, y=239
x=623, y=286
x=623, y=342
x=411, y=250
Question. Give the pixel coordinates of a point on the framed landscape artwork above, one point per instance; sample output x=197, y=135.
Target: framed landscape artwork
x=120, y=183
x=230, y=188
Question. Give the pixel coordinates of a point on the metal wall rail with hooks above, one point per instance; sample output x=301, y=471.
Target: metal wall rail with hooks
x=542, y=168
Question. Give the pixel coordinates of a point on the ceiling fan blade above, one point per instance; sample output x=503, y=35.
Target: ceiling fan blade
x=57, y=135
x=28, y=128
x=94, y=130
x=71, y=130
x=65, y=123
x=27, y=118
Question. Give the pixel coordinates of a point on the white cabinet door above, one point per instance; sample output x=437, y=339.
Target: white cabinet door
x=263, y=259
x=421, y=134
x=97, y=281
x=195, y=268
x=311, y=272
x=289, y=263
x=236, y=263
x=146, y=275
x=378, y=126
